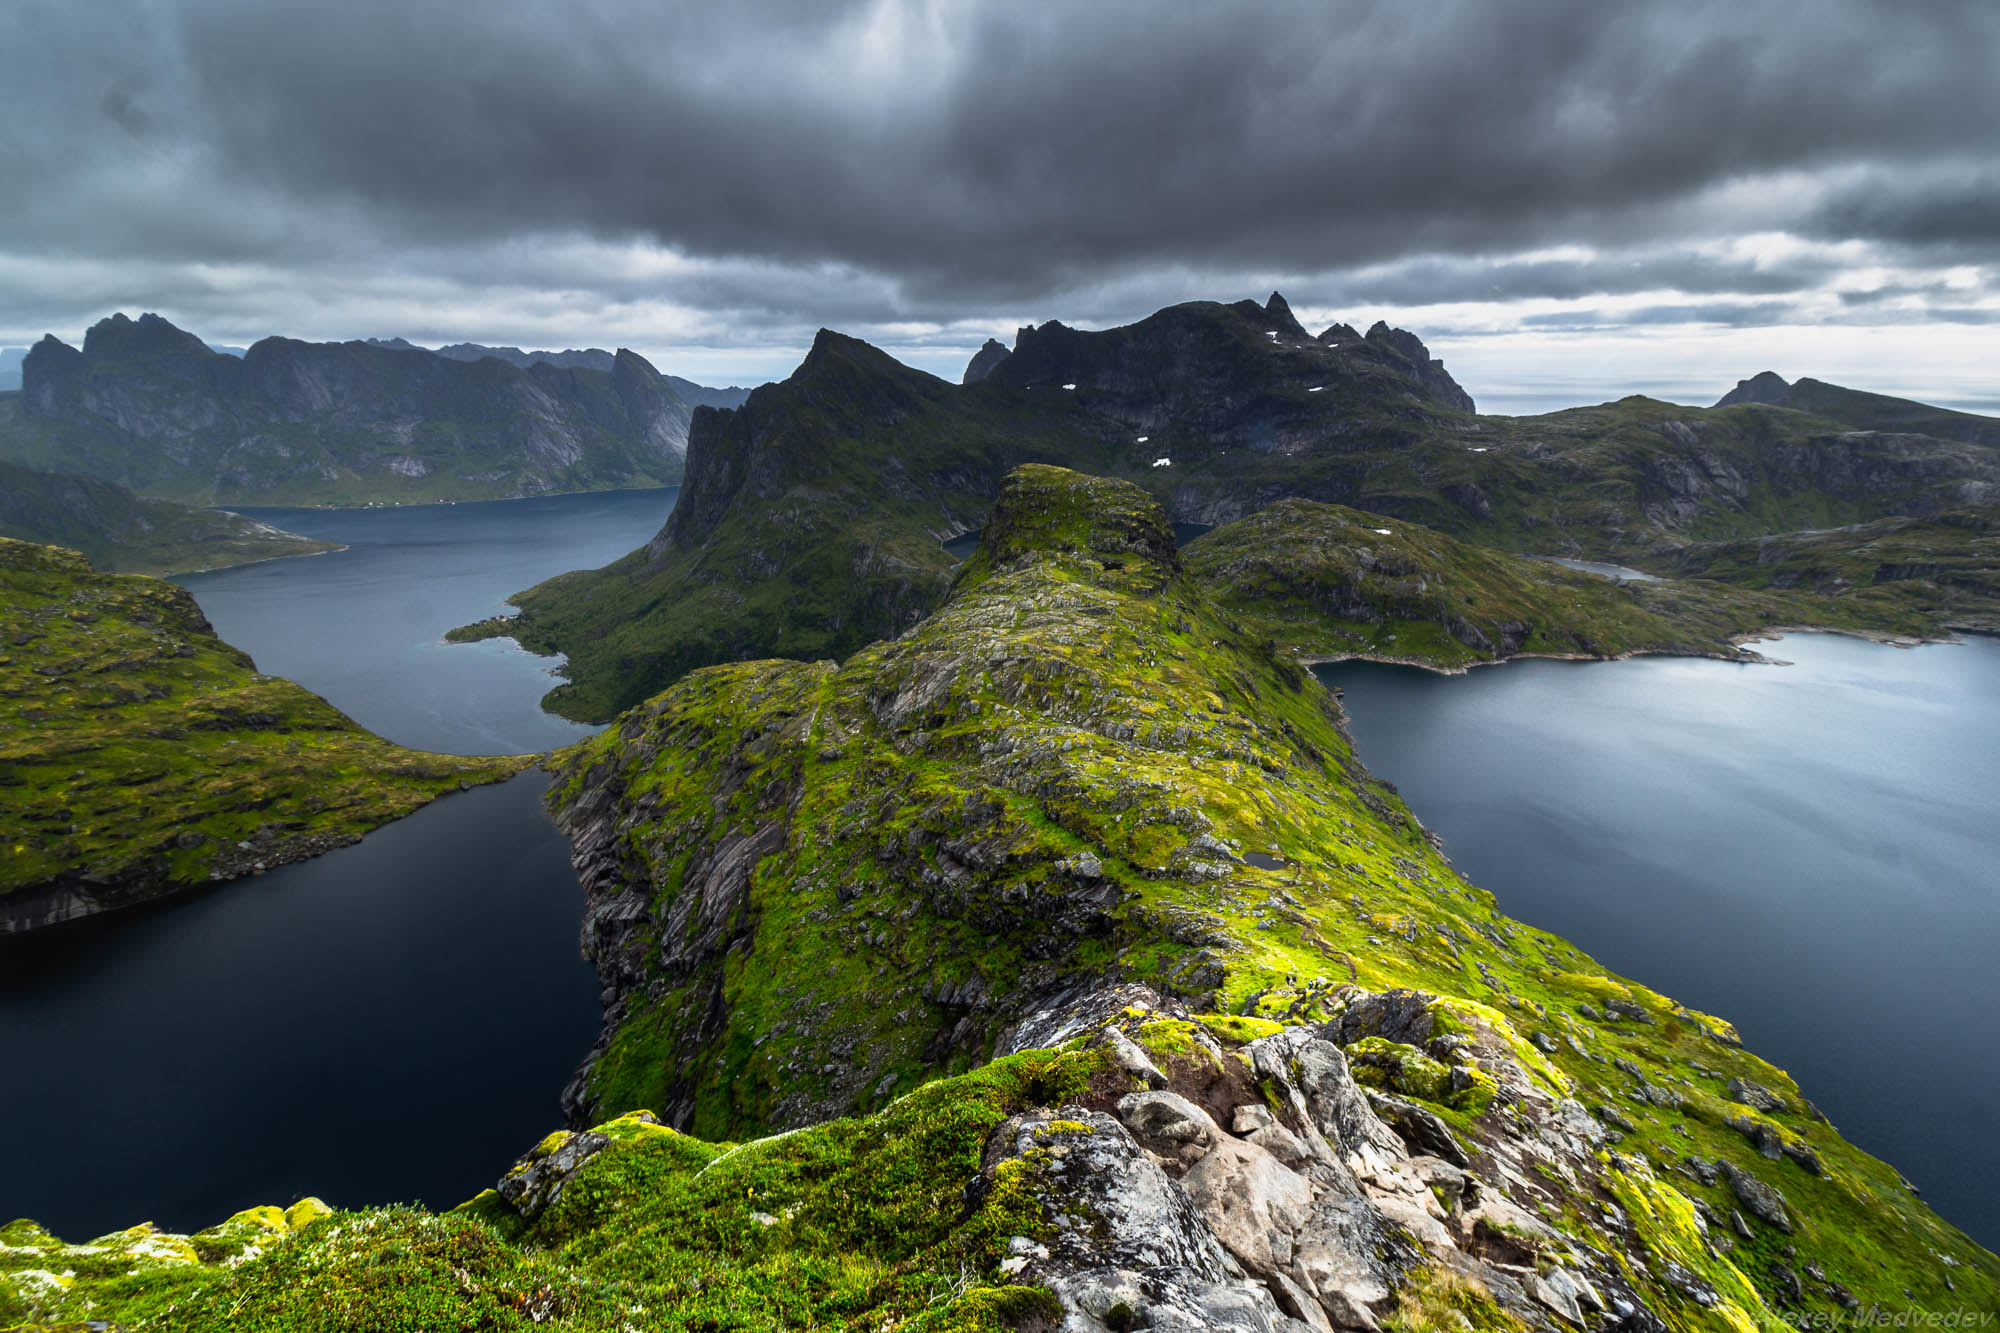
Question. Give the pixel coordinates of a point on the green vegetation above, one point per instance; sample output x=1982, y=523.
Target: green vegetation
x=1860, y=410
x=809, y=527
x=1329, y=582
x=839, y=886
x=139, y=753
x=849, y=1224
x=1943, y=570
x=120, y=532
x=1061, y=776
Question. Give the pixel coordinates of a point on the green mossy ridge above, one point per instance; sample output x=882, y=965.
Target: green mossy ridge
x=849, y=1224
x=122, y=533
x=137, y=750
x=1075, y=718
x=1325, y=581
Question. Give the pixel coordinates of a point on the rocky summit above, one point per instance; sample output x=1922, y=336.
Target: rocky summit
x=1056, y=965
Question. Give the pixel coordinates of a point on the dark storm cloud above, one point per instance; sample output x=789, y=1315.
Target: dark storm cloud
x=1955, y=210
x=943, y=161
x=1434, y=279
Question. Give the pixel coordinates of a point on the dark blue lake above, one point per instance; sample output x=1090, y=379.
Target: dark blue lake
x=1811, y=851
x=392, y=1021
x=365, y=627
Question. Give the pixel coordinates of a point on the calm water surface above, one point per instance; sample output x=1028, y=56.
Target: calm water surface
x=365, y=627
x=392, y=1021
x=1811, y=851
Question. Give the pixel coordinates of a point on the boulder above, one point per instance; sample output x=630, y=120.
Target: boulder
x=1760, y=1200
x=1251, y=1201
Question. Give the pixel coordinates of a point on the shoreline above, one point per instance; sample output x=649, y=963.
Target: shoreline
x=1744, y=655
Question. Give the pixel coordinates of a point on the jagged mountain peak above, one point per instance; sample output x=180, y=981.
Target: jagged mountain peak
x=118, y=336
x=1764, y=387
x=836, y=355
x=990, y=354
x=1279, y=311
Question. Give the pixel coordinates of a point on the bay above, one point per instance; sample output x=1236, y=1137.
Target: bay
x=1811, y=851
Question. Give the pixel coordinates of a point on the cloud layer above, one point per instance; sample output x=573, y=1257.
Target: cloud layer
x=713, y=182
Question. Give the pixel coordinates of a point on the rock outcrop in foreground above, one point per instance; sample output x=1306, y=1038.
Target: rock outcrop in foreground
x=1056, y=966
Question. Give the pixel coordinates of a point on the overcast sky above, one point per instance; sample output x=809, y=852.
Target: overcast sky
x=1568, y=201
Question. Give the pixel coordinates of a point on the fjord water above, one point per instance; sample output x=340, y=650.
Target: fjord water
x=365, y=627
x=1811, y=851
x=394, y=1020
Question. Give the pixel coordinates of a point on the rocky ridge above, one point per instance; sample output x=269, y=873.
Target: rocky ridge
x=1092, y=985
x=1081, y=774
x=1328, y=582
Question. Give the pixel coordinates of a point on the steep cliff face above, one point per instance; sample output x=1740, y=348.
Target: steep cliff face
x=808, y=525
x=1204, y=378
x=142, y=756
x=147, y=405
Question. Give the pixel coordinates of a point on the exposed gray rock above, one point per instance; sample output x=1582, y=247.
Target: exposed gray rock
x=1167, y=1115
x=1251, y=1201
x=538, y=1178
x=1755, y=1095
x=990, y=354
x=1762, y=1200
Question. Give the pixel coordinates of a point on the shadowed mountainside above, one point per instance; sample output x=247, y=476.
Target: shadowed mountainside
x=148, y=406
x=122, y=533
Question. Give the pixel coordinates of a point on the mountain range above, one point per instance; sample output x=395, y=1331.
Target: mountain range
x=149, y=406
x=810, y=519
x=1018, y=941
x=588, y=358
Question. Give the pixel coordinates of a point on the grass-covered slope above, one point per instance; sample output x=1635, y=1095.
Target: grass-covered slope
x=120, y=532
x=140, y=754
x=1326, y=581
x=808, y=526
x=815, y=887
x=1614, y=481
x=148, y=406
x=849, y=1225
x=1944, y=570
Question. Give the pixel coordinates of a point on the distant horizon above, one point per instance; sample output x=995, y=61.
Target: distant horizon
x=1508, y=373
